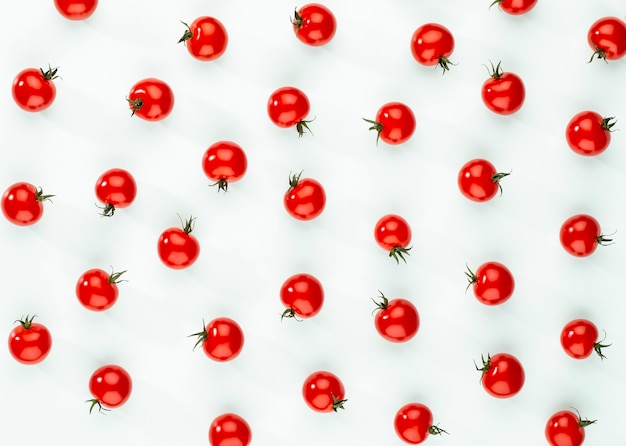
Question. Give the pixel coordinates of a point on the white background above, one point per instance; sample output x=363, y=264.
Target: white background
x=250, y=245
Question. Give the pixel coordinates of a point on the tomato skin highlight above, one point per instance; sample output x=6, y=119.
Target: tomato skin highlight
x=502, y=375
x=305, y=199
x=206, y=38
x=22, y=204
x=303, y=296
x=580, y=235
x=30, y=342
x=110, y=385
x=432, y=44
x=76, y=9
x=229, y=429
x=151, y=99
x=323, y=391
x=33, y=89
x=588, y=133
x=607, y=37
x=396, y=320
x=314, y=24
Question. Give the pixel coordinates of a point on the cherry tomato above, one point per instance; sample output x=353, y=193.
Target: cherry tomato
x=97, y=290
x=303, y=296
x=29, y=342
x=432, y=44
x=115, y=188
x=515, y=7
x=314, y=24
x=177, y=247
x=33, y=89
x=151, y=99
x=588, y=133
x=323, y=392
x=580, y=337
x=413, y=422
x=479, y=180
x=206, y=38
x=493, y=283
x=607, y=38
x=110, y=386
x=394, y=124
x=393, y=234
x=503, y=93
x=397, y=320
x=22, y=204
x=305, y=199
x=224, y=162
x=229, y=429
x=502, y=375
x=566, y=428
x=76, y=9
x=288, y=107
x=221, y=339
x=580, y=235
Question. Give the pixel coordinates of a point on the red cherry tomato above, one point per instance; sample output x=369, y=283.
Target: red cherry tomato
x=413, y=422
x=288, y=107
x=397, y=320
x=110, y=386
x=323, y=392
x=493, y=283
x=229, y=429
x=580, y=337
x=76, y=9
x=29, y=342
x=393, y=234
x=515, y=7
x=479, y=180
x=502, y=375
x=432, y=44
x=33, y=89
x=394, y=124
x=314, y=24
x=305, y=199
x=565, y=428
x=607, y=38
x=177, y=247
x=206, y=38
x=503, y=93
x=22, y=204
x=151, y=99
x=303, y=296
x=580, y=235
x=588, y=133
x=115, y=188
x=97, y=290
x=224, y=162
x=222, y=339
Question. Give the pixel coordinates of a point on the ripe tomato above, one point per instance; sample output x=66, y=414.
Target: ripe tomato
x=393, y=234
x=22, y=204
x=397, y=320
x=33, y=89
x=303, y=296
x=221, y=339
x=76, y=9
x=151, y=99
x=206, y=39
x=580, y=235
x=432, y=44
x=314, y=24
x=97, y=290
x=413, y=422
x=493, y=283
x=502, y=375
x=479, y=180
x=177, y=248
x=305, y=199
x=224, y=162
x=588, y=133
x=323, y=392
x=566, y=428
x=287, y=107
x=394, y=124
x=515, y=7
x=580, y=337
x=29, y=342
x=115, y=188
x=503, y=93
x=110, y=386
x=607, y=38
x=229, y=429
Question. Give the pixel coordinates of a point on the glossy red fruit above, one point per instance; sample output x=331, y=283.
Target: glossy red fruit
x=30, y=342
x=302, y=295
x=478, y=180
x=502, y=375
x=580, y=235
x=588, y=133
x=222, y=339
x=414, y=422
x=305, y=199
x=229, y=429
x=116, y=189
x=151, y=99
x=493, y=283
x=504, y=92
x=76, y=9
x=177, y=247
x=22, y=204
x=394, y=123
x=323, y=392
x=314, y=24
x=97, y=290
x=206, y=38
x=289, y=107
x=607, y=38
x=33, y=89
x=566, y=428
x=396, y=320
x=432, y=44
x=515, y=7
x=110, y=386
x=579, y=338
x=224, y=162
x=393, y=234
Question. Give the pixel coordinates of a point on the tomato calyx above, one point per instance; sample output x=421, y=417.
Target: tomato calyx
x=135, y=105
x=39, y=196
x=583, y=422
x=598, y=54
x=598, y=346
x=289, y=313
x=26, y=322
x=436, y=430
x=108, y=210
x=188, y=224
x=495, y=72
x=294, y=180
x=471, y=277
x=201, y=335
x=608, y=123
x=187, y=35
x=486, y=365
x=50, y=74
x=398, y=252
x=604, y=240
x=297, y=19
x=496, y=177
x=303, y=125
x=115, y=277
x=443, y=62
x=337, y=403
x=382, y=304
x=375, y=126
x=221, y=184
x=95, y=402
